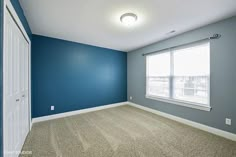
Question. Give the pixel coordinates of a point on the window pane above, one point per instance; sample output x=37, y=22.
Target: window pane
x=158, y=86
x=191, y=74
x=158, y=65
x=192, y=61
x=191, y=88
x=158, y=73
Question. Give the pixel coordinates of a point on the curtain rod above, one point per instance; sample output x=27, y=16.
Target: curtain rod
x=215, y=36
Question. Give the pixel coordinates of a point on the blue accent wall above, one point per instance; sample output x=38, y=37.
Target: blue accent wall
x=73, y=76
x=20, y=13
x=1, y=78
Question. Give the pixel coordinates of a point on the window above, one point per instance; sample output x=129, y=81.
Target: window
x=180, y=75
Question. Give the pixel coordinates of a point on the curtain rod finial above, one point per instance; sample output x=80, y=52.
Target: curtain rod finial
x=215, y=36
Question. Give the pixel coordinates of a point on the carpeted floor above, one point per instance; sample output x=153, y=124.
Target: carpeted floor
x=123, y=131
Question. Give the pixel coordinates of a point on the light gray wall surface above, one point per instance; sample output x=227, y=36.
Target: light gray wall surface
x=222, y=81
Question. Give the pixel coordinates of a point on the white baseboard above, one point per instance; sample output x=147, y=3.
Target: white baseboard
x=66, y=114
x=203, y=127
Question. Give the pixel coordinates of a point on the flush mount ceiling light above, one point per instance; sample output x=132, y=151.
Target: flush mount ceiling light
x=128, y=19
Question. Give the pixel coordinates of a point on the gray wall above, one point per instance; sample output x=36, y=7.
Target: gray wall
x=223, y=76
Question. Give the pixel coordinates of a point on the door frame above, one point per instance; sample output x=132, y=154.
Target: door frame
x=7, y=7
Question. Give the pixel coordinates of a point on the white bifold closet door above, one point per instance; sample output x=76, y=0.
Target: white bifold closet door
x=16, y=93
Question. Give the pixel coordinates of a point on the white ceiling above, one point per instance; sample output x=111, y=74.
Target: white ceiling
x=96, y=22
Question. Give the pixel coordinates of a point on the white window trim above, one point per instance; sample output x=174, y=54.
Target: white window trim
x=193, y=105
x=180, y=103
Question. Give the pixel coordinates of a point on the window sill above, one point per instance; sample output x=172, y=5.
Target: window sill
x=180, y=103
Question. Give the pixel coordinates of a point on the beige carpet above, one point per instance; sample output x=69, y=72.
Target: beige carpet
x=123, y=132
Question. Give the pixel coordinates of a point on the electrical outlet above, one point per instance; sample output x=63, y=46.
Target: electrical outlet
x=52, y=108
x=227, y=121
x=130, y=98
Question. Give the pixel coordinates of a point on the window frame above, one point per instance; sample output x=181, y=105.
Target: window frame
x=170, y=99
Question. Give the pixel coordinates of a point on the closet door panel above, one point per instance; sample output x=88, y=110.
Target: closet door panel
x=15, y=63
